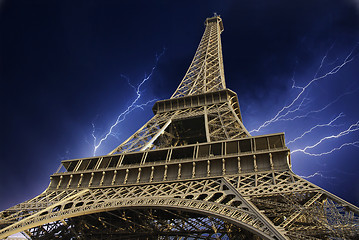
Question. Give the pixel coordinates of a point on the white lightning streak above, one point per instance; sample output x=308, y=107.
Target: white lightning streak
x=355, y=144
x=121, y=117
x=353, y=128
x=316, y=174
x=316, y=111
x=329, y=124
x=334, y=70
x=298, y=108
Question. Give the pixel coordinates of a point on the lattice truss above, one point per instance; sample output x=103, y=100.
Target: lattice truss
x=267, y=205
x=223, y=124
x=144, y=224
x=211, y=198
x=221, y=120
x=302, y=209
x=206, y=70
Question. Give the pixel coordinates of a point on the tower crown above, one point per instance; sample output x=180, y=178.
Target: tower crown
x=205, y=73
x=216, y=18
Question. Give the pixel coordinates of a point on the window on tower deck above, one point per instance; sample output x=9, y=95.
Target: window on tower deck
x=183, y=132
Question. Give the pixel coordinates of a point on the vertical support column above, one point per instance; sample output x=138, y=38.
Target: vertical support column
x=126, y=176
x=165, y=173
x=91, y=179
x=152, y=172
x=139, y=175
x=206, y=124
x=68, y=185
x=114, y=177
x=223, y=166
x=272, y=167
x=239, y=165
x=255, y=163
x=102, y=178
x=252, y=145
x=271, y=161
x=81, y=177
x=208, y=168
x=288, y=160
x=179, y=171
x=59, y=184
x=195, y=152
x=255, y=169
x=193, y=169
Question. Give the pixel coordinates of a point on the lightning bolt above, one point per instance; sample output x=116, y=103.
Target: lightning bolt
x=329, y=124
x=318, y=110
x=286, y=109
x=355, y=144
x=133, y=106
x=318, y=173
x=352, y=128
x=301, y=105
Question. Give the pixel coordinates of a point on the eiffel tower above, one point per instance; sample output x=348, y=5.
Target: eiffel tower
x=193, y=171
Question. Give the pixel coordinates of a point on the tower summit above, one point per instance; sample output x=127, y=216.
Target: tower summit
x=192, y=171
x=205, y=73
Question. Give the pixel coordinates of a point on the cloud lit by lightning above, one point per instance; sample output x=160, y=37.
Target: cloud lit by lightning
x=133, y=106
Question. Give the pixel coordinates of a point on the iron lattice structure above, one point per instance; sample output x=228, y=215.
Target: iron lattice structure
x=191, y=172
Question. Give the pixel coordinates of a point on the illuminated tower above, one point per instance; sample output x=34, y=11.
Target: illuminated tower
x=192, y=172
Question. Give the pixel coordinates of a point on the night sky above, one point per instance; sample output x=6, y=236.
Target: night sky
x=67, y=69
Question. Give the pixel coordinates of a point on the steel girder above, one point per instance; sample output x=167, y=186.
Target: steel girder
x=269, y=205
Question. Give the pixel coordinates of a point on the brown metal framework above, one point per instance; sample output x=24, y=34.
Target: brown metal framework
x=191, y=172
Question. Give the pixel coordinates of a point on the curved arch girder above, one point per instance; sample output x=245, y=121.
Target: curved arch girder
x=243, y=218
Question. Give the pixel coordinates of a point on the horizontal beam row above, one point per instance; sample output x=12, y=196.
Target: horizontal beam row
x=199, y=151
x=169, y=171
x=191, y=101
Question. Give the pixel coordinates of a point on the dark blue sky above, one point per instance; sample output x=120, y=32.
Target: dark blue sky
x=62, y=68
